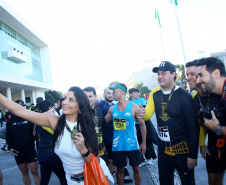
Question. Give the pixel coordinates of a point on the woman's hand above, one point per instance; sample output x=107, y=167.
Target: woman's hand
x=80, y=143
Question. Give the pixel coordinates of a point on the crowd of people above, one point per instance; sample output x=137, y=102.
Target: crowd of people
x=118, y=130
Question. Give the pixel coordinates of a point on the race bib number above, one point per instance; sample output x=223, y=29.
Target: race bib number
x=120, y=123
x=163, y=133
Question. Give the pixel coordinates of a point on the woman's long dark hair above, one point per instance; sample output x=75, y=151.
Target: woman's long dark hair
x=85, y=122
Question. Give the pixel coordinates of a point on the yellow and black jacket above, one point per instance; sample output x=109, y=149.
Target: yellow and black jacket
x=178, y=117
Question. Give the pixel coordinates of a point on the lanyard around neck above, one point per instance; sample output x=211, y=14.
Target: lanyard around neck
x=73, y=132
x=170, y=96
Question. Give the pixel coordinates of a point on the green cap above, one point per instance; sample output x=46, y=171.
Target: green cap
x=119, y=86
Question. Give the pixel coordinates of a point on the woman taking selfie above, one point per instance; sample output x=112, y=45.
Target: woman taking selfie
x=74, y=133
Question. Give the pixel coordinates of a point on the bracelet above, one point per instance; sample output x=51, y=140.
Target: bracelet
x=86, y=154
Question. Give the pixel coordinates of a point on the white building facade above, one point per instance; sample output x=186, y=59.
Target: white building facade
x=220, y=55
x=146, y=76
x=25, y=70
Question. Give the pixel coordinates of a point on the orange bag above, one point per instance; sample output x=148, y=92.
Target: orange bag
x=93, y=173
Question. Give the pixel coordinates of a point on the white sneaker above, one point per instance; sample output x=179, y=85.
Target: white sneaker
x=148, y=162
x=141, y=164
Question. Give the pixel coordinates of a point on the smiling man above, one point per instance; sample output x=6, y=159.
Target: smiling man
x=211, y=77
x=177, y=127
x=191, y=74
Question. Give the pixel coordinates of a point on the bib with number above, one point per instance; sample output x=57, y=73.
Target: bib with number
x=120, y=123
x=163, y=133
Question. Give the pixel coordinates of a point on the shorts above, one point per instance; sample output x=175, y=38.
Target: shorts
x=26, y=156
x=214, y=165
x=108, y=147
x=119, y=158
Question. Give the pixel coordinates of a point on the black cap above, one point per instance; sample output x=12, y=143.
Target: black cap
x=164, y=66
x=133, y=89
x=45, y=105
x=20, y=102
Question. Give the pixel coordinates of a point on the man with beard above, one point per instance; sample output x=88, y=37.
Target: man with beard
x=107, y=128
x=211, y=153
x=211, y=79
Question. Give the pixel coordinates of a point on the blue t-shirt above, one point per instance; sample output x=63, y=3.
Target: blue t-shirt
x=125, y=136
x=139, y=100
x=107, y=129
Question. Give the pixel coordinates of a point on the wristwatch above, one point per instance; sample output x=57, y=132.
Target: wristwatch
x=86, y=154
x=218, y=131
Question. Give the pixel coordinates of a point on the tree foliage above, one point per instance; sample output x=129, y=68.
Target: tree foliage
x=143, y=89
x=53, y=95
x=181, y=73
x=138, y=85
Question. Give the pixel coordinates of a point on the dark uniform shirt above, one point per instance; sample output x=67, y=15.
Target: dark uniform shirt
x=99, y=120
x=213, y=139
x=19, y=133
x=176, y=120
x=107, y=128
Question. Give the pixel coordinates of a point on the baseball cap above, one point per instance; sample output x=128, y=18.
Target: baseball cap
x=20, y=102
x=45, y=105
x=133, y=89
x=164, y=66
x=119, y=86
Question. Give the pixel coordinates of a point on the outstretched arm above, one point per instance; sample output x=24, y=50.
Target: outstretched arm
x=150, y=108
x=45, y=119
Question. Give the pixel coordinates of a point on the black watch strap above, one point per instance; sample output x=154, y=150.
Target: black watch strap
x=86, y=154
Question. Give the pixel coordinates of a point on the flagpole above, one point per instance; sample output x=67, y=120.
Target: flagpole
x=181, y=40
x=158, y=18
x=163, y=51
x=182, y=45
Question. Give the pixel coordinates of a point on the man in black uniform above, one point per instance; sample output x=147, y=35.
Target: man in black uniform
x=211, y=76
x=99, y=121
x=178, y=129
x=211, y=79
x=212, y=153
x=20, y=140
